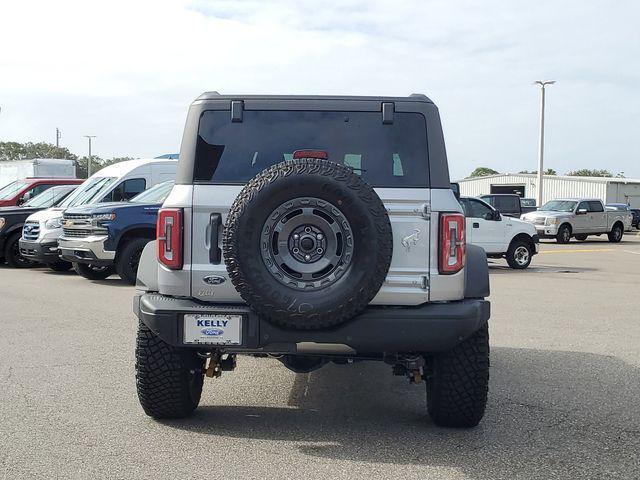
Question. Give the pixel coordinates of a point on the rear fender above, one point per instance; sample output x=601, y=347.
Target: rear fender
x=147, y=280
x=476, y=273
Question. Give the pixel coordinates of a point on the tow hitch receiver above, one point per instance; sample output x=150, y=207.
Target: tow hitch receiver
x=216, y=364
x=411, y=367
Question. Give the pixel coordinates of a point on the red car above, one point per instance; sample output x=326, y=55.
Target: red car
x=19, y=191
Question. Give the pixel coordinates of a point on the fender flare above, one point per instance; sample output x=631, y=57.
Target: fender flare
x=476, y=273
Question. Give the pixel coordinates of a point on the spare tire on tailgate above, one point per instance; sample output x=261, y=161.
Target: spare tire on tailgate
x=307, y=243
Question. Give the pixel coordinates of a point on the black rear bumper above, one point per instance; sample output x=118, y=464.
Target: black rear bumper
x=433, y=327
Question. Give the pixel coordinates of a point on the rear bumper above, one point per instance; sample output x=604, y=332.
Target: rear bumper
x=86, y=250
x=42, y=252
x=432, y=327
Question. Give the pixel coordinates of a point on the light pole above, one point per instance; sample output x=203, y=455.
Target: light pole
x=89, y=160
x=542, y=84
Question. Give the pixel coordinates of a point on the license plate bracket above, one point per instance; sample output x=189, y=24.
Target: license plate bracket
x=212, y=329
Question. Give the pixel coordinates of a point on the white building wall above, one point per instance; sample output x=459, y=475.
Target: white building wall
x=624, y=193
x=608, y=190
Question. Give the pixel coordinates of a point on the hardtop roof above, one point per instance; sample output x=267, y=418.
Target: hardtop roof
x=414, y=97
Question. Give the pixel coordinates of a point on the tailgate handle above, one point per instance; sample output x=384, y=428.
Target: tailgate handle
x=476, y=225
x=215, y=254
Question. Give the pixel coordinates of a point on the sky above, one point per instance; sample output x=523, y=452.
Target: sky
x=126, y=71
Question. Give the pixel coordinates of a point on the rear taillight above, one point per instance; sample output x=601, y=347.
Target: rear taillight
x=169, y=236
x=452, y=243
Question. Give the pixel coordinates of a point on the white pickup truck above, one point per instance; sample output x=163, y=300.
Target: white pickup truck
x=578, y=217
x=500, y=236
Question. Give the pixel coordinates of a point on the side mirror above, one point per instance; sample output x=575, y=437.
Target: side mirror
x=581, y=211
x=26, y=197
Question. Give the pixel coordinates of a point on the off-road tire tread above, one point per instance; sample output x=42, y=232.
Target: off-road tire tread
x=458, y=382
x=162, y=376
x=342, y=311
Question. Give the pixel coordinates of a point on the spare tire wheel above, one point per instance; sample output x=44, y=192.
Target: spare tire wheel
x=307, y=243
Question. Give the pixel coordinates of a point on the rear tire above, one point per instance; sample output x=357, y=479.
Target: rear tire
x=582, y=237
x=564, y=234
x=168, y=379
x=519, y=254
x=128, y=258
x=616, y=233
x=60, y=266
x=458, y=382
x=12, y=253
x=93, y=272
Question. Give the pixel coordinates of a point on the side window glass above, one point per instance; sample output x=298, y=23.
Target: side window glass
x=479, y=210
x=128, y=189
x=595, y=207
x=465, y=207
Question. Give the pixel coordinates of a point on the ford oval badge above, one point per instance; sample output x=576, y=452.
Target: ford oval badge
x=213, y=280
x=212, y=332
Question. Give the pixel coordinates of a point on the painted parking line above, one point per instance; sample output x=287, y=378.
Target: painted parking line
x=578, y=250
x=630, y=251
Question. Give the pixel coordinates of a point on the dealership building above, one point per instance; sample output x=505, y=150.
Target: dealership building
x=608, y=189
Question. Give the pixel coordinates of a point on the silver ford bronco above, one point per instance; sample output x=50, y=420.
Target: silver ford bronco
x=313, y=230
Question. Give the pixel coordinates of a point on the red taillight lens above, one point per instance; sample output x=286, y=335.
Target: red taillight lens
x=169, y=236
x=452, y=243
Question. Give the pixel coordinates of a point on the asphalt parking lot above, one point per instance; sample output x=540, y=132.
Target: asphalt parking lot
x=564, y=399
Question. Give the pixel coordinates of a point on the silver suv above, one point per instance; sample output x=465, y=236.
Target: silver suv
x=313, y=230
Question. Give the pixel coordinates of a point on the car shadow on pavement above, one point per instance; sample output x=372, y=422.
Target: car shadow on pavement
x=550, y=414
x=533, y=268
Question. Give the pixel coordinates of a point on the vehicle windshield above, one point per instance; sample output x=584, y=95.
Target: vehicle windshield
x=527, y=202
x=559, y=206
x=50, y=197
x=8, y=191
x=155, y=194
x=89, y=191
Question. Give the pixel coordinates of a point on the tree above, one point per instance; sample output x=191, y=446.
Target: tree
x=12, y=151
x=97, y=164
x=483, y=172
x=587, y=172
x=548, y=171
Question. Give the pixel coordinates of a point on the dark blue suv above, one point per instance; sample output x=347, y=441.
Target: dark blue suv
x=102, y=238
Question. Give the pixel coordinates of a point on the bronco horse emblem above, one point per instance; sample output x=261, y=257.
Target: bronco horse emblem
x=411, y=240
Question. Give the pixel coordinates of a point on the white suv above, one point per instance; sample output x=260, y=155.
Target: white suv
x=313, y=229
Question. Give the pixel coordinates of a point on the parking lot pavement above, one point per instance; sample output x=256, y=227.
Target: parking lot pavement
x=564, y=400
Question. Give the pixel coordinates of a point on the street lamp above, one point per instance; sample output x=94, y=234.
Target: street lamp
x=542, y=83
x=89, y=160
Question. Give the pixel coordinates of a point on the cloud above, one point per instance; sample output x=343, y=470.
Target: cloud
x=126, y=71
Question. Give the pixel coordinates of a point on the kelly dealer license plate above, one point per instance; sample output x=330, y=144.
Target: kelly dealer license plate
x=213, y=329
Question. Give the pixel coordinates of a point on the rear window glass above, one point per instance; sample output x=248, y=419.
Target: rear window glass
x=385, y=155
